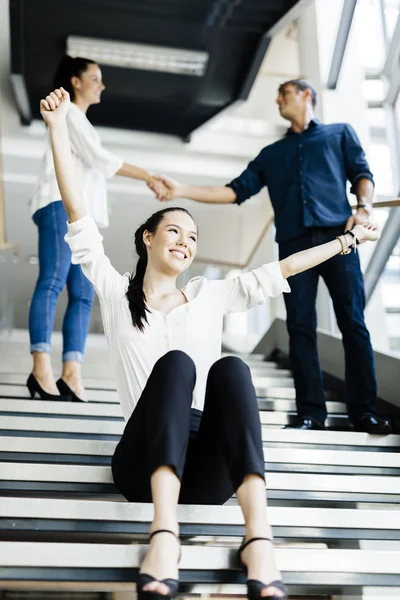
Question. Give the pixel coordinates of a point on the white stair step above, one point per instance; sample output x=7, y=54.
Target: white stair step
x=365, y=484
x=59, y=424
x=112, y=409
x=127, y=512
x=31, y=445
x=121, y=556
x=331, y=438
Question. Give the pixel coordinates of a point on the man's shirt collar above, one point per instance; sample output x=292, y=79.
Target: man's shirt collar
x=313, y=123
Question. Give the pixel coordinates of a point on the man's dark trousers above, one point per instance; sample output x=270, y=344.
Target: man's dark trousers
x=343, y=277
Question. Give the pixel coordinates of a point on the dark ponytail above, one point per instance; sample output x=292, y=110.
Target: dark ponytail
x=69, y=67
x=135, y=294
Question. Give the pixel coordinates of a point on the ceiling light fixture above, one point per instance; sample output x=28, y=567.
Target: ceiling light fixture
x=139, y=56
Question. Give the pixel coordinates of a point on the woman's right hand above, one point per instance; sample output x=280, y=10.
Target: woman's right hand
x=55, y=106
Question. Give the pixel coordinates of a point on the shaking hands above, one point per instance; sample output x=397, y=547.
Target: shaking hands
x=164, y=188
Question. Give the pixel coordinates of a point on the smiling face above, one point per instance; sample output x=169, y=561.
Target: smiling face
x=172, y=248
x=89, y=86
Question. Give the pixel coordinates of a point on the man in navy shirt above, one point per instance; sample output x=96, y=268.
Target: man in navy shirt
x=306, y=174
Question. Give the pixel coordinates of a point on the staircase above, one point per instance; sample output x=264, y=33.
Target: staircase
x=334, y=499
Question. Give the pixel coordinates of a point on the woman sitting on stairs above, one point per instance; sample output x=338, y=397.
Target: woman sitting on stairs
x=193, y=431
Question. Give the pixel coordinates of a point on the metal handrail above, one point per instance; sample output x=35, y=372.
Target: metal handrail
x=387, y=203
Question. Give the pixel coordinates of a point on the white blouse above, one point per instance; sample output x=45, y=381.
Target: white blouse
x=93, y=165
x=194, y=327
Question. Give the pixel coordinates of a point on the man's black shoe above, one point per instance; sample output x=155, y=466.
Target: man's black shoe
x=305, y=423
x=370, y=423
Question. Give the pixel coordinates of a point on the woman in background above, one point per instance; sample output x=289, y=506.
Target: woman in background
x=93, y=165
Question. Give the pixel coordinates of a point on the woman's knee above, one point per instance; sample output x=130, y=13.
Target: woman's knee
x=53, y=284
x=230, y=366
x=176, y=361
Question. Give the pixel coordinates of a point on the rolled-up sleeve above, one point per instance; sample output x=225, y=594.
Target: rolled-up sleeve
x=356, y=164
x=90, y=150
x=250, y=182
x=249, y=289
x=86, y=243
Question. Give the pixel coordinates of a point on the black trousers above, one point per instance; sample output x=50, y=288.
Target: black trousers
x=210, y=458
x=344, y=279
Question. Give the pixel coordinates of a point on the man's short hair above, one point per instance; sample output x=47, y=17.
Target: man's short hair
x=301, y=85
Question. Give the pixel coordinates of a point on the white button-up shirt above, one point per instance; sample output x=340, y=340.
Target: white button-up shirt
x=194, y=327
x=93, y=165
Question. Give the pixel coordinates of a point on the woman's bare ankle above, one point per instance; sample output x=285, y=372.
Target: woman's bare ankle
x=165, y=524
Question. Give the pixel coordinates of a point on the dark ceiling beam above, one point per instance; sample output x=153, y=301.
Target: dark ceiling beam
x=163, y=12
x=254, y=68
x=130, y=4
x=220, y=12
x=346, y=20
x=291, y=12
x=17, y=61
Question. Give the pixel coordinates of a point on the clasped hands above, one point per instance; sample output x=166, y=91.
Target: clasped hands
x=163, y=187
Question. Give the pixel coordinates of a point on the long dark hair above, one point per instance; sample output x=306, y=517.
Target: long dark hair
x=135, y=294
x=69, y=67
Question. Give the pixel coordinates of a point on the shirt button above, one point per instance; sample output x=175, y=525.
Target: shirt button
x=304, y=201
x=302, y=187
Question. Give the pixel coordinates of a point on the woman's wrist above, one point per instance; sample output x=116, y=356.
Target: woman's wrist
x=58, y=124
x=359, y=230
x=147, y=178
x=349, y=239
x=347, y=243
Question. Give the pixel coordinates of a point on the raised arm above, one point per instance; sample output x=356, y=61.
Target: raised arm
x=83, y=236
x=269, y=281
x=54, y=109
x=301, y=261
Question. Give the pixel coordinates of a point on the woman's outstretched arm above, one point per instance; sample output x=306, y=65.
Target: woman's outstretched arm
x=301, y=261
x=54, y=109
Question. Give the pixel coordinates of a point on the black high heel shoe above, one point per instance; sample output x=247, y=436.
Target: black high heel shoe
x=34, y=388
x=64, y=388
x=144, y=579
x=254, y=586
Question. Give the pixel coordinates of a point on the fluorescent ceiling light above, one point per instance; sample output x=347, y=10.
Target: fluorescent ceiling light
x=139, y=56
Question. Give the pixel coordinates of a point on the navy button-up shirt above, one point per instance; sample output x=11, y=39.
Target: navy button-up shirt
x=306, y=175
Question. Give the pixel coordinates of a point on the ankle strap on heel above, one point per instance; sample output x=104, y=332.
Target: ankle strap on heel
x=251, y=540
x=162, y=531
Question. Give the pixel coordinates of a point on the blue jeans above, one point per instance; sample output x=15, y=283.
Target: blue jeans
x=344, y=280
x=56, y=271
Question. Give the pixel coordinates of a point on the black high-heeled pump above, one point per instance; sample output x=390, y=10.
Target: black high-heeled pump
x=144, y=579
x=64, y=388
x=254, y=586
x=34, y=388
